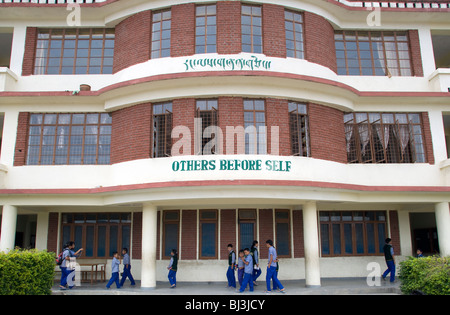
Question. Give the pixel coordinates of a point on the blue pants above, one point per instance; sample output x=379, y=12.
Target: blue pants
x=391, y=269
x=114, y=278
x=127, y=273
x=248, y=279
x=172, y=277
x=64, y=274
x=231, y=278
x=271, y=275
x=275, y=274
x=256, y=274
x=240, y=276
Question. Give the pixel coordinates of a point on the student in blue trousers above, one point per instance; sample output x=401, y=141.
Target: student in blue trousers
x=248, y=271
x=114, y=271
x=126, y=268
x=271, y=269
x=231, y=264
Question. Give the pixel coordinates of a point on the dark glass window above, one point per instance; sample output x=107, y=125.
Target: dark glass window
x=293, y=22
x=62, y=139
x=74, y=51
x=205, y=29
x=162, y=130
x=298, y=123
x=251, y=24
x=161, y=34
x=373, y=53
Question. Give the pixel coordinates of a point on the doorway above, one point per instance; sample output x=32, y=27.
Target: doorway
x=424, y=233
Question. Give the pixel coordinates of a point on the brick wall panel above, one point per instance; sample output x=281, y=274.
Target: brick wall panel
x=182, y=39
x=274, y=35
x=30, y=51
x=227, y=231
x=189, y=235
x=228, y=27
x=20, y=153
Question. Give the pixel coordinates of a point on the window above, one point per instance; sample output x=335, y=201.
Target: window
x=207, y=111
x=251, y=24
x=247, y=227
x=373, y=53
x=298, y=123
x=208, y=234
x=100, y=234
x=162, y=130
x=161, y=27
x=293, y=22
x=255, y=127
x=352, y=232
x=74, y=51
x=384, y=138
x=205, y=29
x=283, y=233
x=171, y=223
x=62, y=139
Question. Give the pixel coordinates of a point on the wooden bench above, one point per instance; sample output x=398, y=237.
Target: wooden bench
x=90, y=269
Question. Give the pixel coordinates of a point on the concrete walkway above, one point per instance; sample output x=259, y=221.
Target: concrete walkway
x=353, y=286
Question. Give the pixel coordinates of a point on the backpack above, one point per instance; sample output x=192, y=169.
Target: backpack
x=60, y=259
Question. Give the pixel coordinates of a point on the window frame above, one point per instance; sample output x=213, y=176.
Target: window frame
x=156, y=50
x=47, y=36
x=167, y=113
x=205, y=28
x=298, y=120
x=374, y=38
x=297, y=36
x=68, y=140
x=289, y=234
x=330, y=223
x=260, y=148
x=208, y=111
x=202, y=221
x=165, y=222
x=96, y=225
x=253, y=28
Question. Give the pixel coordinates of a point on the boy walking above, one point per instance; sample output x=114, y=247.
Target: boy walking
x=390, y=261
x=271, y=269
x=231, y=264
x=248, y=271
x=126, y=268
x=114, y=271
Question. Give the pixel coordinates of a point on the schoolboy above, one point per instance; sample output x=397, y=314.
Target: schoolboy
x=114, y=271
x=248, y=271
x=241, y=266
x=231, y=265
x=126, y=268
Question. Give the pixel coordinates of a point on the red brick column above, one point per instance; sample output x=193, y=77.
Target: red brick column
x=52, y=237
x=133, y=41
x=265, y=231
x=319, y=41
x=428, y=140
x=395, y=232
x=131, y=133
x=136, y=246
x=327, y=135
x=227, y=231
x=299, y=242
x=20, y=154
x=188, y=247
x=416, y=55
x=229, y=27
x=30, y=51
x=274, y=35
x=278, y=115
x=182, y=41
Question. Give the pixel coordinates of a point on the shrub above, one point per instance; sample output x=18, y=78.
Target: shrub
x=26, y=272
x=430, y=275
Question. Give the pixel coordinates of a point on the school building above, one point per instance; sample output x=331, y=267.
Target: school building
x=320, y=124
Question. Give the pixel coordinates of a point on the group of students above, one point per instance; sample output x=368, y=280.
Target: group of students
x=247, y=266
x=66, y=271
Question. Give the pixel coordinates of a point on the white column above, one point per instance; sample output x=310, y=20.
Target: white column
x=405, y=233
x=9, y=221
x=149, y=230
x=311, y=239
x=442, y=212
x=42, y=230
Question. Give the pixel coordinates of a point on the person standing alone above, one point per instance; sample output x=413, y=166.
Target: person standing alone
x=390, y=261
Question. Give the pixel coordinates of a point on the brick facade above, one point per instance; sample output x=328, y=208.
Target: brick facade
x=30, y=51
x=319, y=41
x=274, y=34
x=327, y=133
x=20, y=153
x=131, y=133
x=228, y=27
x=182, y=41
x=133, y=41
